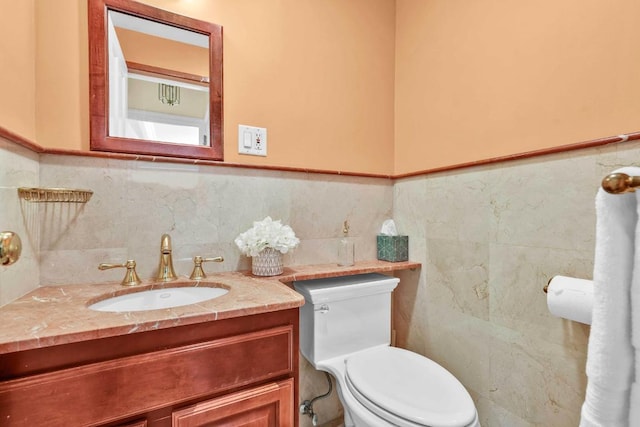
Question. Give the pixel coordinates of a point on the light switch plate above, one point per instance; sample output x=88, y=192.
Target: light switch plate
x=252, y=140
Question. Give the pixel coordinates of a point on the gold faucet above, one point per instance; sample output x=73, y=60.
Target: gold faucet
x=165, y=269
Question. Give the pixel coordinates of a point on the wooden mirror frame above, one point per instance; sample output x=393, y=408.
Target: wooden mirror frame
x=99, y=82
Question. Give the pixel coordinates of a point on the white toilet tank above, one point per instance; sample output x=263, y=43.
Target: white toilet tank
x=345, y=314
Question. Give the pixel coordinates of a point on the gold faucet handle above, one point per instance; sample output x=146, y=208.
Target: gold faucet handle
x=198, y=272
x=130, y=277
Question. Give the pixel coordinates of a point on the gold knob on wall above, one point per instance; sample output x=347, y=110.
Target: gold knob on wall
x=10, y=247
x=617, y=183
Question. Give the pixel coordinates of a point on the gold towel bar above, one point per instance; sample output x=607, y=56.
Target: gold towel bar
x=618, y=183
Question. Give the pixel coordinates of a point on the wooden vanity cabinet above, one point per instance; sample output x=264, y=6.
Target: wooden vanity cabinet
x=232, y=372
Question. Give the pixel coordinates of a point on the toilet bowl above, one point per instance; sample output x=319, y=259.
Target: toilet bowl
x=345, y=330
x=388, y=386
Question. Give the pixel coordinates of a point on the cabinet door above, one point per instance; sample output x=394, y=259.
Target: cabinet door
x=270, y=405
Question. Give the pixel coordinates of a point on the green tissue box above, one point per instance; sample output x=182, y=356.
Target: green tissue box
x=393, y=248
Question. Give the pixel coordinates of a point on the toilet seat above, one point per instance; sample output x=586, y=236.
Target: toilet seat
x=407, y=389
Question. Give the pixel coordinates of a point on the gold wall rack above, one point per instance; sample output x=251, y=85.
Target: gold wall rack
x=53, y=195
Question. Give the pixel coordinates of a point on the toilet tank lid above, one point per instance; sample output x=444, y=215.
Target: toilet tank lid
x=318, y=291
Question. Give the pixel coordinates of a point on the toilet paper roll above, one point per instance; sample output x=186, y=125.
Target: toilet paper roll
x=570, y=298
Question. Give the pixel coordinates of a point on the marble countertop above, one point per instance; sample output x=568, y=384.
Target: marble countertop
x=53, y=315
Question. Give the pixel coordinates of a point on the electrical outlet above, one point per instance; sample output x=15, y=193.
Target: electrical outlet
x=252, y=140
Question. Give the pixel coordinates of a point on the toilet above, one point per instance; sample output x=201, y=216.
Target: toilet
x=345, y=330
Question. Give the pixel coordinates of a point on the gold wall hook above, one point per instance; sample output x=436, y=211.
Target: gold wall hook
x=618, y=183
x=198, y=272
x=10, y=247
x=130, y=277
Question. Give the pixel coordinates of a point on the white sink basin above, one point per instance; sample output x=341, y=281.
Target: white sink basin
x=155, y=299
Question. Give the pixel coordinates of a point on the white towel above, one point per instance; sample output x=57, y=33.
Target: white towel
x=634, y=401
x=634, y=416
x=610, y=355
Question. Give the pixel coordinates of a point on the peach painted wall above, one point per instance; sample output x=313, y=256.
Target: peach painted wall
x=17, y=67
x=318, y=75
x=472, y=80
x=62, y=74
x=488, y=78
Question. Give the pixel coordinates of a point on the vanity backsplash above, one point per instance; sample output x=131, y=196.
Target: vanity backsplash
x=203, y=208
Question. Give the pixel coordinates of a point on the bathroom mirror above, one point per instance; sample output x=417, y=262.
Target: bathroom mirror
x=155, y=81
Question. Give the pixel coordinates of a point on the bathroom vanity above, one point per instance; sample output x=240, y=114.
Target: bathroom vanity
x=230, y=371
x=230, y=361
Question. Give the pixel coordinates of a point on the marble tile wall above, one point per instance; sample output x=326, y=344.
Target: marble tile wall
x=489, y=239
x=19, y=167
x=203, y=208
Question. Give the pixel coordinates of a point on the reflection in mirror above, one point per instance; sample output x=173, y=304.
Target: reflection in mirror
x=148, y=99
x=163, y=77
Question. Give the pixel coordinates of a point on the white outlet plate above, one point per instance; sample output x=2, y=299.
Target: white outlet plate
x=252, y=140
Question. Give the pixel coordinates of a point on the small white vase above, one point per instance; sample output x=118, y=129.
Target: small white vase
x=267, y=263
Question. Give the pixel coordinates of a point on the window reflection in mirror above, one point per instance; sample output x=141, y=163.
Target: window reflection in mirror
x=156, y=81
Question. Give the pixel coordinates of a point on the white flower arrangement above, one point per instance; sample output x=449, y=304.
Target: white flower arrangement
x=266, y=234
